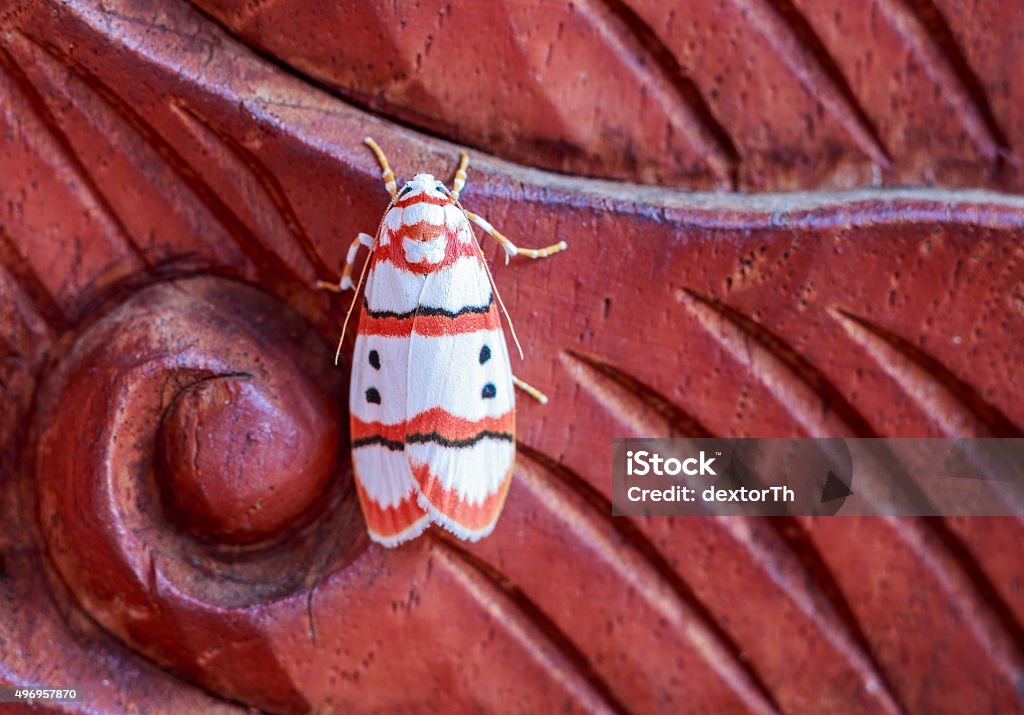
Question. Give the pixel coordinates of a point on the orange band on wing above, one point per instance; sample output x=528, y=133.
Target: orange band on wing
x=429, y=325
x=435, y=422
x=472, y=517
x=439, y=421
x=419, y=231
x=376, y=433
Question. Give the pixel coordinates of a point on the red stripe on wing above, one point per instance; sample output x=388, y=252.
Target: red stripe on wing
x=419, y=231
x=454, y=428
x=429, y=325
x=435, y=420
x=358, y=429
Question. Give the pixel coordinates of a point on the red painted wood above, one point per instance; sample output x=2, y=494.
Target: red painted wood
x=181, y=529
x=750, y=94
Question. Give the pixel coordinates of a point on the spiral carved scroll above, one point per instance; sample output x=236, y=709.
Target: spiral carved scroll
x=191, y=439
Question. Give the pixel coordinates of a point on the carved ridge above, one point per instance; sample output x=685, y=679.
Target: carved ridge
x=951, y=562
x=824, y=607
x=831, y=615
x=947, y=400
x=828, y=604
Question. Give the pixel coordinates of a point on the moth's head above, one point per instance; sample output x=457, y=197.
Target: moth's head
x=424, y=187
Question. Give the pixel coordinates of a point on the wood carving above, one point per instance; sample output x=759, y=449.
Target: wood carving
x=180, y=526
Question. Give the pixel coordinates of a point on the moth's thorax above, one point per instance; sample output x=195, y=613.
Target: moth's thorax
x=424, y=230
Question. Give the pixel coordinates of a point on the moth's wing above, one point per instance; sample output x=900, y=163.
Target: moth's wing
x=377, y=406
x=460, y=430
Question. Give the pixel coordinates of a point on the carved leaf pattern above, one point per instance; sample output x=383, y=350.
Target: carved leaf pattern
x=147, y=142
x=751, y=94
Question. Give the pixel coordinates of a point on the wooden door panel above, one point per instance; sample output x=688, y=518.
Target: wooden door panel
x=171, y=194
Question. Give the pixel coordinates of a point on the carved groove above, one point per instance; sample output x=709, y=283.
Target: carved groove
x=629, y=36
x=826, y=603
x=626, y=31
x=932, y=40
x=928, y=14
x=352, y=97
x=616, y=23
x=947, y=400
x=620, y=394
x=273, y=189
x=715, y=646
x=486, y=583
x=42, y=300
x=35, y=100
x=979, y=603
x=816, y=404
x=794, y=39
x=954, y=405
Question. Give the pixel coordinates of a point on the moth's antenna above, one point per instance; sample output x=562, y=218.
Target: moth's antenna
x=390, y=184
x=355, y=301
x=508, y=318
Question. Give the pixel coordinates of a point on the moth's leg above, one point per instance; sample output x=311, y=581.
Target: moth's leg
x=512, y=249
x=364, y=239
x=530, y=390
x=460, y=175
x=386, y=173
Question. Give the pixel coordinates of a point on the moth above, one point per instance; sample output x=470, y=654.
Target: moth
x=432, y=406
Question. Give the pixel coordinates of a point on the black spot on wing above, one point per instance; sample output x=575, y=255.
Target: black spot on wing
x=485, y=354
x=374, y=359
x=372, y=396
x=489, y=391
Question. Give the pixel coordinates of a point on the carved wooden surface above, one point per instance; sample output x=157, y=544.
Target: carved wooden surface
x=174, y=484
